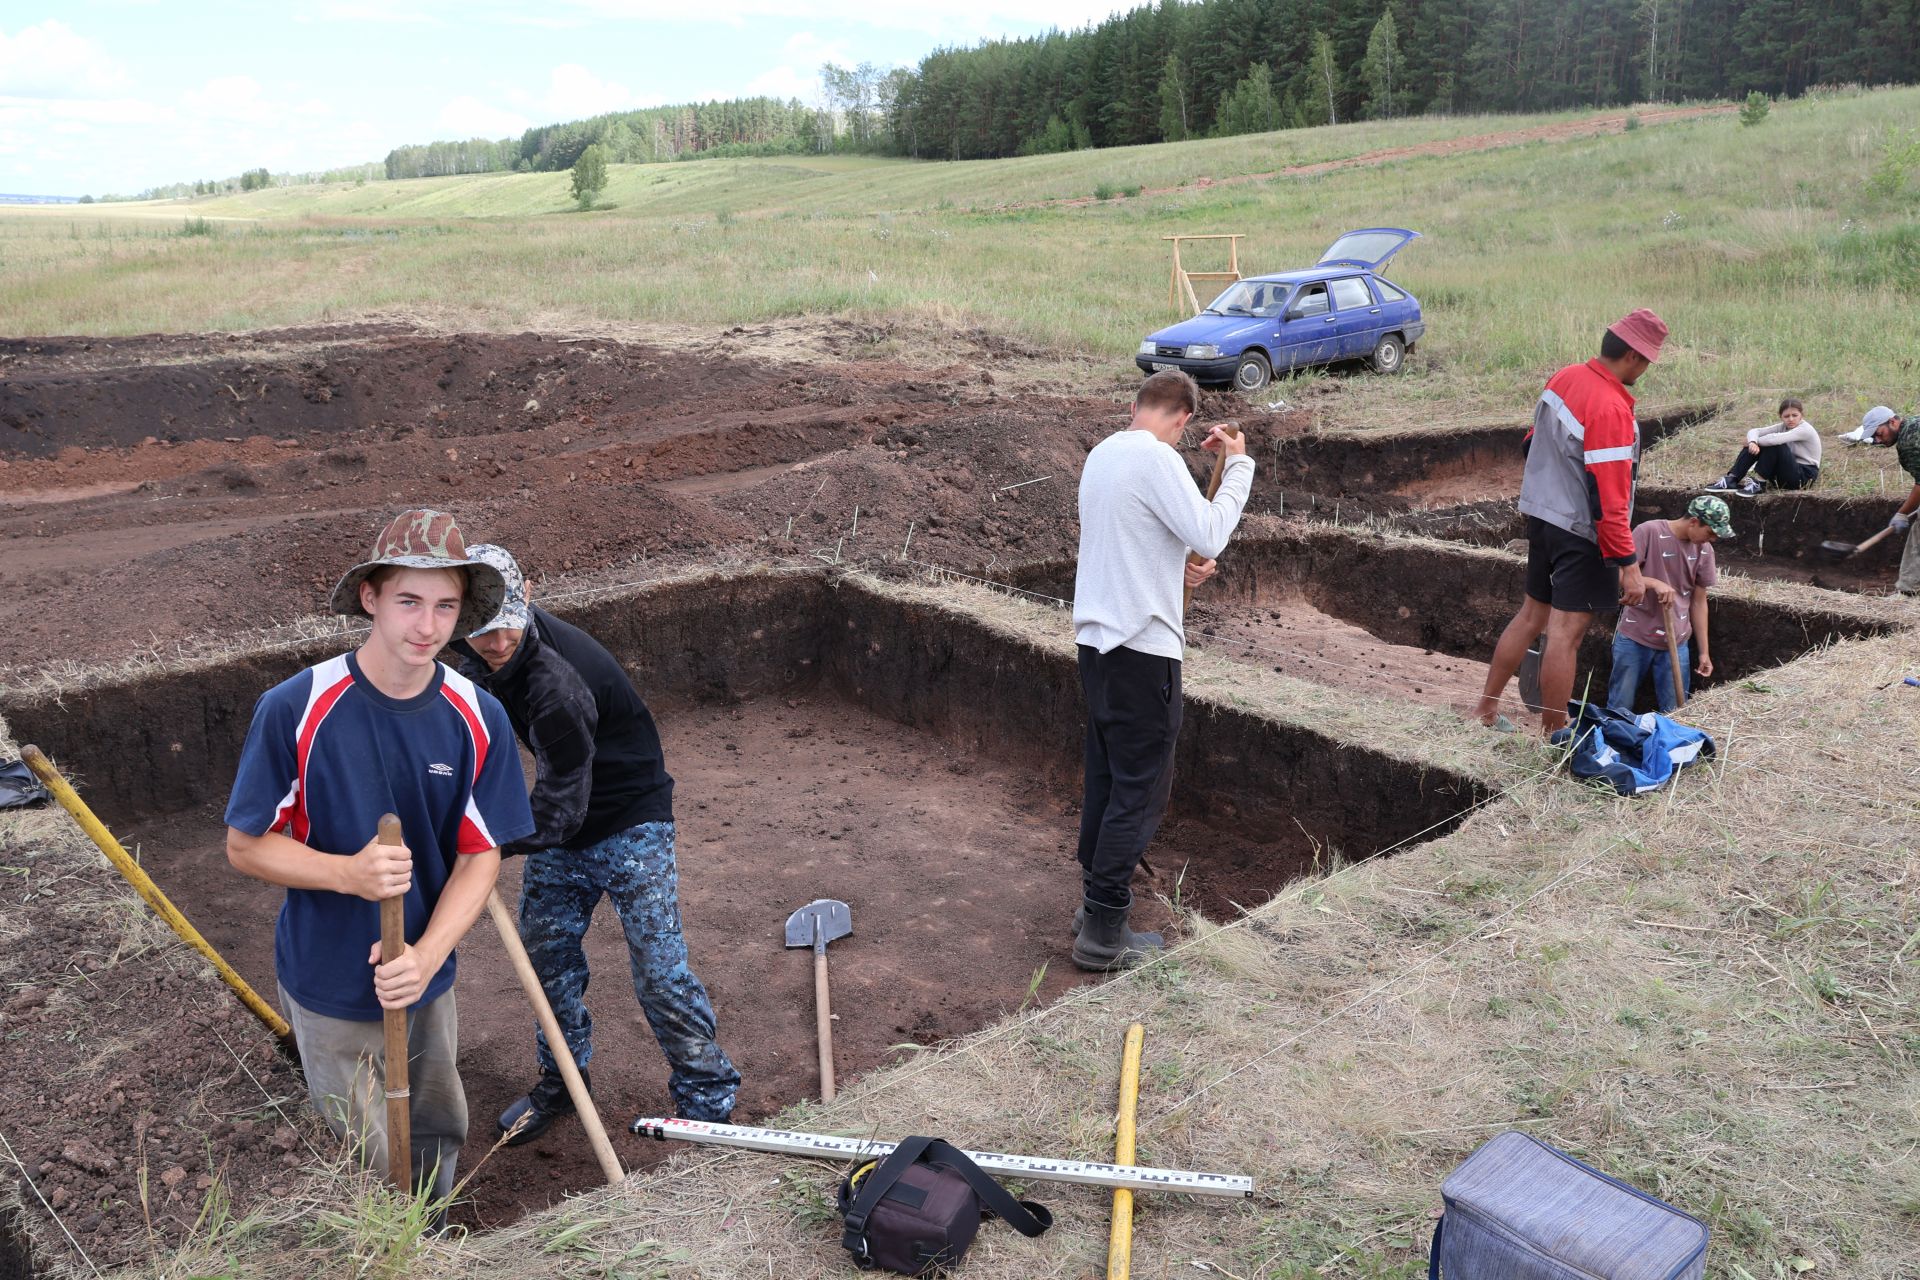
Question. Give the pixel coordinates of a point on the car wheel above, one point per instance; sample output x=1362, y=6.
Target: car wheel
x=1252, y=373
x=1389, y=354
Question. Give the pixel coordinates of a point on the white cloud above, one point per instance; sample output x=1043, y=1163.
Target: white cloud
x=945, y=19
x=574, y=92
x=51, y=60
x=468, y=117
x=231, y=98
x=797, y=74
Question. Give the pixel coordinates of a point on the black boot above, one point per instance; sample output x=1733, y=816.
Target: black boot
x=1105, y=942
x=546, y=1102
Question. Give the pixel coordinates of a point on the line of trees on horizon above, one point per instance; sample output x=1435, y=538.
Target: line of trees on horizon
x=1179, y=69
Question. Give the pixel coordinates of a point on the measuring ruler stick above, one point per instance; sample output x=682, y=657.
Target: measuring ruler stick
x=1040, y=1169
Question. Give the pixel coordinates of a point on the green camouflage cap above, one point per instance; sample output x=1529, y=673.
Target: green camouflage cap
x=422, y=539
x=1713, y=513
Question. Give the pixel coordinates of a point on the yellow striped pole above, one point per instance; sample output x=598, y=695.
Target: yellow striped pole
x=144, y=886
x=1120, y=1242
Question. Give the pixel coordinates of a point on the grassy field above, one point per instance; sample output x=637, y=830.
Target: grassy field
x=1766, y=248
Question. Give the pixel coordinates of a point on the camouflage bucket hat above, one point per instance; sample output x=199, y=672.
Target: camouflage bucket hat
x=514, y=610
x=423, y=539
x=1713, y=513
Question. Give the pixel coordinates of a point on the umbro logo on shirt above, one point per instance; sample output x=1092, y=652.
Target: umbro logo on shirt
x=440, y=770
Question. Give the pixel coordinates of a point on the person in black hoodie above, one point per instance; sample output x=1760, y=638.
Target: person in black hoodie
x=603, y=815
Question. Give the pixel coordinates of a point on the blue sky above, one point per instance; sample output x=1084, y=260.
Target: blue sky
x=101, y=96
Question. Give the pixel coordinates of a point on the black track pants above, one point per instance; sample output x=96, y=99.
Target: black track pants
x=1133, y=721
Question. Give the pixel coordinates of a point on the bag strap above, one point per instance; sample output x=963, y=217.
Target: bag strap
x=1028, y=1217
x=874, y=1187
x=1433, y=1254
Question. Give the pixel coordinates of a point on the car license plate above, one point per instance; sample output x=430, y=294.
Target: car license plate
x=1162, y=368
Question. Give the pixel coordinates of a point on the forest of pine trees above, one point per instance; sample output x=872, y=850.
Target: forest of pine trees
x=1179, y=70
x=1201, y=68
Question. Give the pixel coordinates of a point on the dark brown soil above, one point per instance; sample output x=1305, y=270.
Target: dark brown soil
x=202, y=484
x=133, y=1082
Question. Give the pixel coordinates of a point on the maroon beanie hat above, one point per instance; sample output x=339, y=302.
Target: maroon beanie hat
x=1643, y=331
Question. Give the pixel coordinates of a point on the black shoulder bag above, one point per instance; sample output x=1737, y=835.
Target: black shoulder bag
x=921, y=1207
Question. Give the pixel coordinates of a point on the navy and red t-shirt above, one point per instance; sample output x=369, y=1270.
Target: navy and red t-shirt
x=327, y=756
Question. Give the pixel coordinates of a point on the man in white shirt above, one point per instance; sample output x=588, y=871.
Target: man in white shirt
x=1140, y=514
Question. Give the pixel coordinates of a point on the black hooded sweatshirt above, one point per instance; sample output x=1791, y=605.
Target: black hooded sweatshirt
x=600, y=768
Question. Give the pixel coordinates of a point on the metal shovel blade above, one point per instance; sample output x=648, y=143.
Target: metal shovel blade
x=821, y=921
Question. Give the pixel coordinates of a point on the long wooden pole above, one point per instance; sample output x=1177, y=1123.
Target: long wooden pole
x=1213, y=491
x=1673, y=659
x=556, y=1041
x=393, y=945
x=1120, y=1240
x=131, y=871
x=822, y=1014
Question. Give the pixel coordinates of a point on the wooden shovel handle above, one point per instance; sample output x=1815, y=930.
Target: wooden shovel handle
x=393, y=944
x=1213, y=491
x=823, y=1018
x=1871, y=541
x=1673, y=658
x=556, y=1039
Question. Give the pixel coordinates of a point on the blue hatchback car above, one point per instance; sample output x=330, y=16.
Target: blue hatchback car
x=1341, y=309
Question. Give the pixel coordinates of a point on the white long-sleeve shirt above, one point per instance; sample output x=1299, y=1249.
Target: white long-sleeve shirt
x=1803, y=440
x=1140, y=513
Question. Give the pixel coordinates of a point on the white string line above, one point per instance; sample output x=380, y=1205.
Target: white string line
x=57, y=1221
x=1409, y=971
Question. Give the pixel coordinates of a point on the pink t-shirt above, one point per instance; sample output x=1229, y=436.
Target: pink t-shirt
x=1681, y=565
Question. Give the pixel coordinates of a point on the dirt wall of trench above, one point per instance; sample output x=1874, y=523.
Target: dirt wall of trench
x=167, y=742
x=1385, y=472
x=1016, y=701
x=1457, y=601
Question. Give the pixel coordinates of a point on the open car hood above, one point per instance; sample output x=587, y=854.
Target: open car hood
x=1369, y=247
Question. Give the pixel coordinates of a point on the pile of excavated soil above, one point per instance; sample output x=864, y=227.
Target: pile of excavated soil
x=157, y=488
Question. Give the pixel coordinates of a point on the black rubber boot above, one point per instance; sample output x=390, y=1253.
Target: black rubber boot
x=548, y=1100
x=1105, y=943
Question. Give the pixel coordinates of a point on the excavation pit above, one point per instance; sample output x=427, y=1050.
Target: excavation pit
x=884, y=743
x=1416, y=618
x=1776, y=537
x=1381, y=472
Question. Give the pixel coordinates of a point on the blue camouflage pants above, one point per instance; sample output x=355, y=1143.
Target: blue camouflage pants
x=559, y=889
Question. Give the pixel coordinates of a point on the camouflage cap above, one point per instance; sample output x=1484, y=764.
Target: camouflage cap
x=514, y=611
x=422, y=539
x=1713, y=513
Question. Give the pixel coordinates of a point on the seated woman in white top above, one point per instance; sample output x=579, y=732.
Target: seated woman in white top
x=1786, y=455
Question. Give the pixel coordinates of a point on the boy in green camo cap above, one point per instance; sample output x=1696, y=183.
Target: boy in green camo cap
x=1677, y=554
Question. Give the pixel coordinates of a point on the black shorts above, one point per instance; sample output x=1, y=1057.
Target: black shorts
x=1565, y=571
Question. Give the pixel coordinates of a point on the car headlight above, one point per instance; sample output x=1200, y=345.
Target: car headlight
x=1202, y=351
x=1147, y=346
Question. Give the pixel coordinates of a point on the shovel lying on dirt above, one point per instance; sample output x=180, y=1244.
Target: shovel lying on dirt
x=1847, y=550
x=815, y=925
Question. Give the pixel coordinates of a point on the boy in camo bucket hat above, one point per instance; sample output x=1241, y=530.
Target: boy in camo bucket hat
x=384, y=729
x=1676, y=559
x=423, y=539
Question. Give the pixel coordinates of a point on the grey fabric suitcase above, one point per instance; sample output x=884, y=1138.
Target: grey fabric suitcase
x=1517, y=1209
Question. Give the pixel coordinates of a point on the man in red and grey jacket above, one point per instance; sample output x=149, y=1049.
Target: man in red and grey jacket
x=1577, y=495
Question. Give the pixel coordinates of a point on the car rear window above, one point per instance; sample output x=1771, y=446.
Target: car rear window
x=1387, y=292
x=1350, y=293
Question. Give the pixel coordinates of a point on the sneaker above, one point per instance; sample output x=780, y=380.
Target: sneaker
x=1722, y=485
x=1751, y=489
x=546, y=1102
